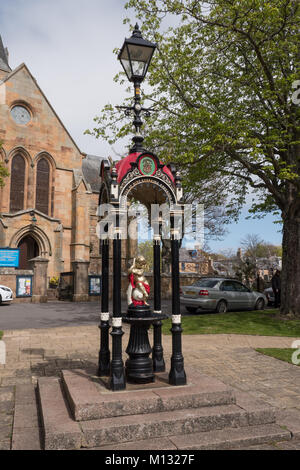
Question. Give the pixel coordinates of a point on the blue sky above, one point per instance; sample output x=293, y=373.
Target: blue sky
x=68, y=46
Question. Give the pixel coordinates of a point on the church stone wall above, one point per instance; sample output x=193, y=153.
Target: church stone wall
x=67, y=226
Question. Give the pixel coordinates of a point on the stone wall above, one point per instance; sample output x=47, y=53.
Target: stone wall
x=44, y=136
x=8, y=278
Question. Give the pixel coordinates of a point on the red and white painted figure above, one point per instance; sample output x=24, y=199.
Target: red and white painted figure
x=139, y=289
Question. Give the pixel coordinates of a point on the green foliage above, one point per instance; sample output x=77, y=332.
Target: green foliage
x=146, y=249
x=3, y=171
x=254, y=247
x=246, y=270
x=221, y=89
x=281, y=354
x=1, y=335
x=264, y=323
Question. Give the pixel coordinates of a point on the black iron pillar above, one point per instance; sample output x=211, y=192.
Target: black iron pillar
x=177, y=374
x=104, y=354
x=139, y=368
x=117, y=375
x=157, y=351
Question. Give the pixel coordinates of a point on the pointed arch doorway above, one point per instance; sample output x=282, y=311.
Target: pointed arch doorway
x=28, y=249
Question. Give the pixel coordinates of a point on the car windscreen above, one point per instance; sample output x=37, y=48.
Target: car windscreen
x=206, y=283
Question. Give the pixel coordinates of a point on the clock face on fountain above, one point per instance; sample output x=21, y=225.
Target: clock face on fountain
x=20, y=115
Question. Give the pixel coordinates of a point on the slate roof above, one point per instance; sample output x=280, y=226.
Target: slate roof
x=3, y=58
x=91, y=171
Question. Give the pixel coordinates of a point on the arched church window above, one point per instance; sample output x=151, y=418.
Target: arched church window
x=42, y=186
x=17, y=183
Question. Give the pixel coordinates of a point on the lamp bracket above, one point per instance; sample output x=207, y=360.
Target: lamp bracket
x=128, y=110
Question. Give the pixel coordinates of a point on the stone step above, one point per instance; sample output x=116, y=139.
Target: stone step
x=26, y=427
x=229, y=438
x=89, y=400
x=60, y=431
x=133, y=428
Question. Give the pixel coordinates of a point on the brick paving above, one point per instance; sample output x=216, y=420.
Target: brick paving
x=230, y=358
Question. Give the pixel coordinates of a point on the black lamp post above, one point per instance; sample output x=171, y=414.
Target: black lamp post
x=135, y=57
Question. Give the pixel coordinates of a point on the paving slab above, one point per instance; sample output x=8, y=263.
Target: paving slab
x=26, y=426
x=5, y=445
x=231, y=438
x=290, y=419
x=27, y=440
x=150, y=444
x=60, y=431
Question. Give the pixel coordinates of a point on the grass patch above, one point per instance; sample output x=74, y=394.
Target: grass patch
x=261, y=323
x=281, y=354
x=1, y=334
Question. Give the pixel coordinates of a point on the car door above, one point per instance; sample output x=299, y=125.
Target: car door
x=229, y=294
x=243, y=296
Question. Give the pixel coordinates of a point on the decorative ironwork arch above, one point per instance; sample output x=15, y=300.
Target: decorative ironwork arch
x=152, y=180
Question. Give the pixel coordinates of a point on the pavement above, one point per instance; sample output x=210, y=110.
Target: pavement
x=44, y=351
x=21, y=316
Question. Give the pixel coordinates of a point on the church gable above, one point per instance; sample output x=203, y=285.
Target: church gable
x=27, y=119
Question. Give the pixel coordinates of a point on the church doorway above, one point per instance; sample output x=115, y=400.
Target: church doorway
x=28, y=249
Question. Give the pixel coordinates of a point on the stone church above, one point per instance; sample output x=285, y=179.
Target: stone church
x=49, y=202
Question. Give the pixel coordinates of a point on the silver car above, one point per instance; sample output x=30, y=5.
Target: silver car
x=220, y=295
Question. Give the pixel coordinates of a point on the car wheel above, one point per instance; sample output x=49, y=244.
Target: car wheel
x=221, y=307
x=191, y=309
x=0, y=300
x=260, y=304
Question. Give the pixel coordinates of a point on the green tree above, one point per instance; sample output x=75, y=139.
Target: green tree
x=225, y=90
x=254, y=247
x=146, y=249
x=3, y=171
x=246, y=271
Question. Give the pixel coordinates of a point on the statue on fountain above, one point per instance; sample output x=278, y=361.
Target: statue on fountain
x=139, y=289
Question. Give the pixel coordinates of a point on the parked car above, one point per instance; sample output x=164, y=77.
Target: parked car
x=220, y=295
x=269, y=293
x=6, y=294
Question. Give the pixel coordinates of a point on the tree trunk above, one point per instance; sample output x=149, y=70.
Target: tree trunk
x=290, y=276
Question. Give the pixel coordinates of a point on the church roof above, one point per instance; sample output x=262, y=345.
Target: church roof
x=3, y=58
x=91, y=171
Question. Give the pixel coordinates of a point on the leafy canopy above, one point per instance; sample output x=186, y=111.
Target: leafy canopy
x=222, y=86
